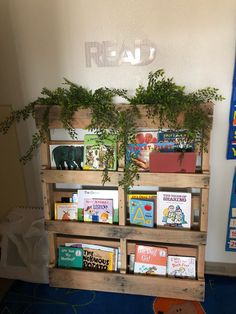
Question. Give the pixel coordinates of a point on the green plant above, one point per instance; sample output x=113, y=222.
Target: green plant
x=162, y=98
x=166, y=100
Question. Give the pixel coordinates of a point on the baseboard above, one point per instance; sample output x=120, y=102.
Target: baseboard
x=224, y=269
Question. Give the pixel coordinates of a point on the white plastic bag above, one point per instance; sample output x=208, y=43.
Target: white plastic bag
x=24, y=245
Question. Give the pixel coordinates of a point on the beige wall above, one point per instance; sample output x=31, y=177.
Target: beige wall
x=195, y=42
x=12, y=184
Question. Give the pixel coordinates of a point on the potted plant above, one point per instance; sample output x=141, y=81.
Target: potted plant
x=161, y=100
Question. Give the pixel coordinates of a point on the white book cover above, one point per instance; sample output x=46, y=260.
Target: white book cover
x=102, y=194
x=174, y=209
x=66, y=211
x=181, y=266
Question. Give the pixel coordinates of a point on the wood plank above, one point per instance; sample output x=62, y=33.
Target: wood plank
x=67, y=142
x=112, y=243
x=204, y=209
x=82, y=117
x=165, y=235
x=45, y=157
x=172, y=250
x=58, y=194
x=206, y=156
x=145, y=179
x=181, y=180
x=201, y=262
x=122, y=207
x=123, y=256
x=78, y=177
x=48, y=203
x=132, y=284
x=52, y=249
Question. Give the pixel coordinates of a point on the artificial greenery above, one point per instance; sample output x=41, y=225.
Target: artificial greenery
x=162, y=97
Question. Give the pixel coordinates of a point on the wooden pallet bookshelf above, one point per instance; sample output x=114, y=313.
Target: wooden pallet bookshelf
x=186, y=242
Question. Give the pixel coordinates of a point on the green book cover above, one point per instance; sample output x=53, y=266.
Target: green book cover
x=99, y=153
x=70, y=257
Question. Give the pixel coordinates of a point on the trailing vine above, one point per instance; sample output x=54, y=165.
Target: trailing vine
x=162, y=97
x=165, y=100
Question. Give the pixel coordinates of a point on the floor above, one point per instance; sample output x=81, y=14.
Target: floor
x=33, y=298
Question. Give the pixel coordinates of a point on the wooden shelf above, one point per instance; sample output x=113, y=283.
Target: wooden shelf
x=132, y=284
x=174, y=236
x=84, y=177
x=181, y=242
x=82, y=117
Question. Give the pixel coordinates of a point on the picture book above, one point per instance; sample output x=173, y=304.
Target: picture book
x=66, y=156
x=174, y=209
x=99, y=154
x=97, y=257
x=163, y=141
x=139, y=153
x=147, y=137
x=150, y=260
x=146, y=196
x=177, y=137
x=181, y=266
x=102, y=194
x=70, y=257
x=98, y=210
x=142, y=212
x=66, y=211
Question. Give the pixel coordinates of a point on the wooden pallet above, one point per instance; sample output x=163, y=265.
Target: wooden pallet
x=185, y=242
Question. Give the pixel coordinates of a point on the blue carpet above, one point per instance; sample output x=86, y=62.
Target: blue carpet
x=27, y=298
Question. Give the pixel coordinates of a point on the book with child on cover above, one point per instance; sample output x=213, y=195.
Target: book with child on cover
x=98, y=210
x=174, y=209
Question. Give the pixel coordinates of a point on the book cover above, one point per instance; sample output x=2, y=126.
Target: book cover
x=102, y=194
x=178, y=138
x=142, y=212
x=150, y=260
x=98, y=210
x=147, y=137
x=66, y=211
x=99, y=154
x=67, y=155
x=98, y=257
x=70, y=257
x=139, y=153
x=181, y=266
x=146, y=196
x=174, y=209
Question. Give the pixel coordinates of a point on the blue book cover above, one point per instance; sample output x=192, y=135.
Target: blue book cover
x=142, y=212
x=178, y=138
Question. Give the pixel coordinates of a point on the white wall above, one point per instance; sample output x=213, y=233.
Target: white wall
x=195, y=42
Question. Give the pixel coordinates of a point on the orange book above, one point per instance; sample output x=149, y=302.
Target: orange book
x=150, y=260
